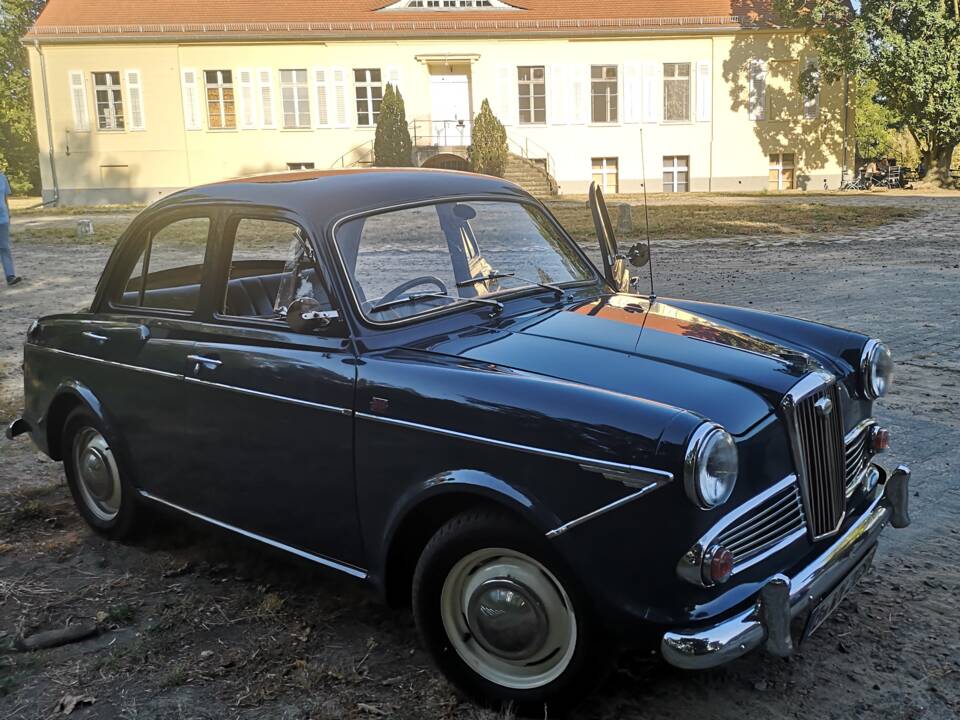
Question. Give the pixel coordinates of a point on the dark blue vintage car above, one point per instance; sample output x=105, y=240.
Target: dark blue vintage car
x=418, y=379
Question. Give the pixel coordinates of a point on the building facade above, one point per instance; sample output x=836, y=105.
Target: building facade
x=137, y=99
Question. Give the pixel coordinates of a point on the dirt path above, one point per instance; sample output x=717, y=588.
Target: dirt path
x=198, y=625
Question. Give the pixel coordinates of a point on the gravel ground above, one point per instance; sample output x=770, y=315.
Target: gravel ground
x=195, y=624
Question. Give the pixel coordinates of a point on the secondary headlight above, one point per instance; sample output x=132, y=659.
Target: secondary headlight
x=876, y=369
x=710, y=466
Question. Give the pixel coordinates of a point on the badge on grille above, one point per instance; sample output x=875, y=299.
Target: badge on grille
x=824, y=406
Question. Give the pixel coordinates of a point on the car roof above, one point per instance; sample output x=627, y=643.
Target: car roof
x=325, y=195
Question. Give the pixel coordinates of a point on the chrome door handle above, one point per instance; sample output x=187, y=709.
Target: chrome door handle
x=96, y=337
x=202, y=361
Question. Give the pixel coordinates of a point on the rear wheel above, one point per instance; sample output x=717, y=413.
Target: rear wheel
x=104, y=496
x=503, y=620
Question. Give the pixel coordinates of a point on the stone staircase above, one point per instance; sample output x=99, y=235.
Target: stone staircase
x=530, y=174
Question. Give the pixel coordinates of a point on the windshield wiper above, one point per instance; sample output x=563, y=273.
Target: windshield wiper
x=558, y=291
x=498, y=306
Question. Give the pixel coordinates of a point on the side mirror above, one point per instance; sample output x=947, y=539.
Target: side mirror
x=638, y=255
x=305, y=315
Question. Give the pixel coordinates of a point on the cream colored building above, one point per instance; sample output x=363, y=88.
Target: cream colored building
x=137, y=99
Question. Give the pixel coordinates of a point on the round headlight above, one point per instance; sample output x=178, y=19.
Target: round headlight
x=876, y=369
x=710, y=466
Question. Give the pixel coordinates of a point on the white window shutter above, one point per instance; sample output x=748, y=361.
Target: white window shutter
x=246, y=100
x=704, y=91
x=632, y=88
x=394, y=77
x=652, y=107
x=580, y=94
x=78, y=99
x=266, y=105
x=342, y=111
x=134, y=89
x=757, y=90
x=506, y=89
x=321, y=116
x=191, y=100
x=557, y=95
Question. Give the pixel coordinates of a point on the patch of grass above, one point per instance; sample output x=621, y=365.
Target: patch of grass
x=121, y=613
x=105, y=233
x=78, y=210
x=24, y=513
x=696, y=222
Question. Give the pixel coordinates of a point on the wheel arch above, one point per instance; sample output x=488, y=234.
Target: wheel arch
x=424, y=510
x=66, y=399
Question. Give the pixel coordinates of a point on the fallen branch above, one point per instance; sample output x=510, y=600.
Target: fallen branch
x=55, y=638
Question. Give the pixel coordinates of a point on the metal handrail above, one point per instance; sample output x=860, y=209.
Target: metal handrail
x=341, y=161
x=524, y=145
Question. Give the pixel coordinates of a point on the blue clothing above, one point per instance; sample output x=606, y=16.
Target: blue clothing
x=5, y=192
x=5, y=257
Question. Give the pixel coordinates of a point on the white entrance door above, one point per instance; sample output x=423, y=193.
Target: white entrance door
x=450, y=99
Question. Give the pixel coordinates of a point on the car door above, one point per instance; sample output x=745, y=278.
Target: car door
x=270, y=409
x=143, y=331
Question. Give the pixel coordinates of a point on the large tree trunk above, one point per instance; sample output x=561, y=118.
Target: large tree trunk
x=937, y=159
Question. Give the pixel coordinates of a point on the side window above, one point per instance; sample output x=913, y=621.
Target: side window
x=168, y=272
x=271, y=265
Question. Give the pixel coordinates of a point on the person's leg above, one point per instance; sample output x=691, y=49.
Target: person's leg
x=6, y=257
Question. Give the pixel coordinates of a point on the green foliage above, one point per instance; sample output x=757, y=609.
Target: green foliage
x=911, y=48
x=875, y=122
x=392, y=146
x=488, y=154
x=18, y=135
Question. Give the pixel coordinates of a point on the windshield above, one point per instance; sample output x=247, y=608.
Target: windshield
x=410, y=261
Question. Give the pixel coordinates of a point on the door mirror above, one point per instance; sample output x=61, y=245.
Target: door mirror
x=305, y=315
x=638, y=255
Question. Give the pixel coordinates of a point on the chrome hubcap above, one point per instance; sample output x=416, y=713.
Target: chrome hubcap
x=508, y=618
x=97, y=477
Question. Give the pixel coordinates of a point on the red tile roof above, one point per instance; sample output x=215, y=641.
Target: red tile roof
x=215, y=18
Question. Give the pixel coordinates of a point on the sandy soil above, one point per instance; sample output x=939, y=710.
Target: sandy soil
x=195, y=624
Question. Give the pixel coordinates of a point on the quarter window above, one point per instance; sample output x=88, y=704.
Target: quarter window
x=168, y=273
x=603, y=94
x=676, y=173
x=676, y=92
x=532, y=92
x=221, y=108
x=782, y=167
x=295, y=96
x=369, y=88
x=605, y=174
x=109, y=100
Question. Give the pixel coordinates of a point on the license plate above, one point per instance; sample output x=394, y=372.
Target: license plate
x=829, y=603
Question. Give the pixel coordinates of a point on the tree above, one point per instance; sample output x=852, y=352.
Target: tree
x=488, y=139
x=392, y=146
x=911, y=48
x=875, y=122
x=18, y=133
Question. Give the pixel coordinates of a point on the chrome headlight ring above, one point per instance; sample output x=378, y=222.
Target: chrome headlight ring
x=876, y=369
x=710, y=466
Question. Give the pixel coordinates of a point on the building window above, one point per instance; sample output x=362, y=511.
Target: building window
x=369, y=94
x=676, y=92
x=603, y=93
x=757, y=90
x=109, y=100
x=811, y=98
x=295, y=96
x=532, y=89
x=300, y=166
x=605, y=174
x=221, y=107
x=781, y=171
x=676, y=173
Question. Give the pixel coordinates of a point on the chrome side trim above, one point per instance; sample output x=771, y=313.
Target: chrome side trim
x=111, y=363
x=271, y=396
x=557, y=531
x=621, y=472
x=319, y=559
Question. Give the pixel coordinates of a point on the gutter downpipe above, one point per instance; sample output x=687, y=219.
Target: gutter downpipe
x=49, y=120
x=846, y=127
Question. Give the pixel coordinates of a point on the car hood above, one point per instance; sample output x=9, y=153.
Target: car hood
x=656, y=351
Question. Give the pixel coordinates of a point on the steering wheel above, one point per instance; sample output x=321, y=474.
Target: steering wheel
x=410, y=284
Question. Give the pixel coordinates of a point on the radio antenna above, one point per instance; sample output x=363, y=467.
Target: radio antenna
x=646, y=216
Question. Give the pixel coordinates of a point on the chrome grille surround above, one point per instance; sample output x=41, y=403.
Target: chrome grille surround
x=812, y=415
x=857, y=454
x=760, y=527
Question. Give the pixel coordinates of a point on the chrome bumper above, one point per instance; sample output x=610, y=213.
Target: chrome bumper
x=782, y=599
x=17, y=427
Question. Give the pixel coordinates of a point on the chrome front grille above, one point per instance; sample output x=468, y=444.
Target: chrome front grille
x=776, y=518
x=856, y=457
x=813, y=417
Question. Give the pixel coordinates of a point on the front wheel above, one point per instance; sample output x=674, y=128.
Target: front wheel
x=501, y=618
